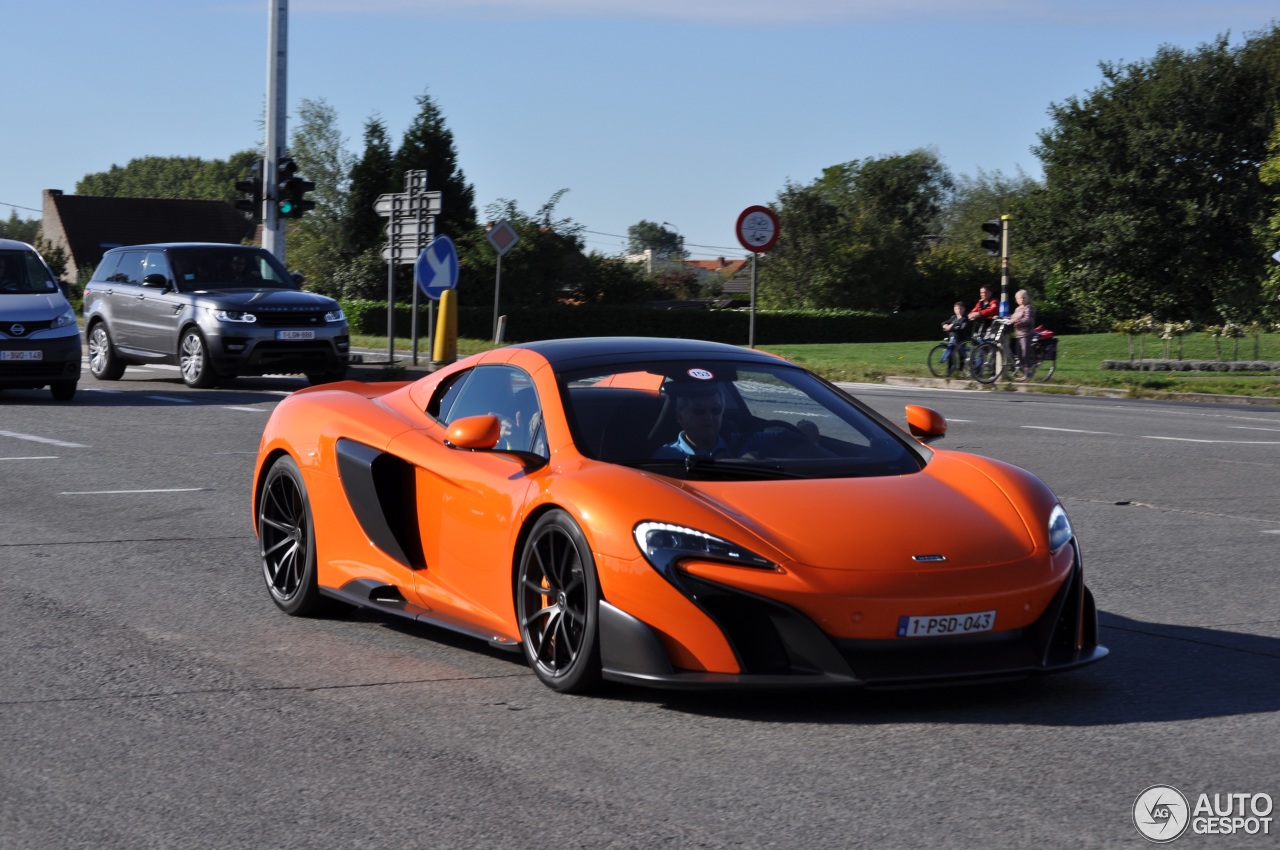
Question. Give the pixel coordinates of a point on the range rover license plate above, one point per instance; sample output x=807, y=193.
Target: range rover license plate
x=947, y=624
x=295, y=334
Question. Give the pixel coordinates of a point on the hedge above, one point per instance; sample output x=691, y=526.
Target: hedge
x=732, y=326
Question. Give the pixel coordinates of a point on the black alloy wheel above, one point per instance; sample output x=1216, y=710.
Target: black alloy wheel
x=557, y=605
x=287, y=540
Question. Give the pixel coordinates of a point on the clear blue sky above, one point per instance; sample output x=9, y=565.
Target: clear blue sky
x=679, y=111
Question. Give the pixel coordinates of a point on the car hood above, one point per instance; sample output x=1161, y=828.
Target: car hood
x=264, y=299
x=31, y=307
x=951, y=508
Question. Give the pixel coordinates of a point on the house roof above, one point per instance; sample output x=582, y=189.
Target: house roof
x=93, y=224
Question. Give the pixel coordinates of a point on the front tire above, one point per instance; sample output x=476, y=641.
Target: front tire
x=287, y=540
x=63, y=390
x=987, y=363
x=557, y=605
x=193, y=358
x=104, y=364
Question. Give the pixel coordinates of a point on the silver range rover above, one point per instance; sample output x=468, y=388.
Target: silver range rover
x=216, y=311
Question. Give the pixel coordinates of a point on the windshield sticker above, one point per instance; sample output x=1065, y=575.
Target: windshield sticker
x=701, y=375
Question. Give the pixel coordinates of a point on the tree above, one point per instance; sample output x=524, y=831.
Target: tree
x=315, y=241
x=851, y=238
x=187, y=177
x=23, y=230
x=1268, y=232
x=372, y=175
x=649, y=236
x=428, y=144
x=1152, y=197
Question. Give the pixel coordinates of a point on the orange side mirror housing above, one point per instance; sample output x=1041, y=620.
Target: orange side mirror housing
x=926, y=423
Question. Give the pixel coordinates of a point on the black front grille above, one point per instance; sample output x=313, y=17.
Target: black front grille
x=292, y=320
x=28, y=328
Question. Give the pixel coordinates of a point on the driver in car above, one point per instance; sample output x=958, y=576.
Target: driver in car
x=699, y=413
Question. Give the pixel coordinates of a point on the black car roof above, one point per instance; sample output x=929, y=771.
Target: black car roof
x=564, y=354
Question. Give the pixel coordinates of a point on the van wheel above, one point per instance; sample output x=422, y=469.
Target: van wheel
x=63, y=390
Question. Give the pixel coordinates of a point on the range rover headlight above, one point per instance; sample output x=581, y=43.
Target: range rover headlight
x=233, y=316
x=335, y=316
x=1060, y=533
x=664, y=544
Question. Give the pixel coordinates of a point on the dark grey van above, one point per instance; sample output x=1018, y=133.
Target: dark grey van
x=214, y=310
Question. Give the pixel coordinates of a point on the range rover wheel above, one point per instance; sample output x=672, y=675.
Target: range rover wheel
x=193, y=358
x=103, y=362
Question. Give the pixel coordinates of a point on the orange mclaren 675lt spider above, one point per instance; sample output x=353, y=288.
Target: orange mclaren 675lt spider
x=669, y=513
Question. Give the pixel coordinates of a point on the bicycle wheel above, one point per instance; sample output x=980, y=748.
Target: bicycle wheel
x=1047, y=368
x=942, y=360
x=987, y=363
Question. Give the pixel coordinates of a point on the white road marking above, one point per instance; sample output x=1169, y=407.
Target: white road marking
x=1067, y=430
x=32, y=457
x=121, y=492
x=1229, y=442
x=47, y=440
x=246, y=409
x=171, y=398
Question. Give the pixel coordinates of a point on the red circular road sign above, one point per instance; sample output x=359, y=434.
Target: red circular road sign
x=757, y=228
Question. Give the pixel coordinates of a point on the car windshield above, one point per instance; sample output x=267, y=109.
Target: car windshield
x=227, y=268
x=22, y=273
x=730, y=421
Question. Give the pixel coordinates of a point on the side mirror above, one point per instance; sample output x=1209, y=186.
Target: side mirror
x=299, y=278
x=481, y=434
x=476, y=433
x=155, y=281
x=925, y=423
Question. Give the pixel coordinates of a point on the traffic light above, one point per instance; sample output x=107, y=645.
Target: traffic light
x=992, y=242
x=251, y=188
x=291, y=190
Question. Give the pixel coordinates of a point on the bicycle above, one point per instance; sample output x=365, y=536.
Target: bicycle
x=990, y=361
x=950, y=357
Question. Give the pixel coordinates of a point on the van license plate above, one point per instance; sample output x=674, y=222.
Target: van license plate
x=21, y=355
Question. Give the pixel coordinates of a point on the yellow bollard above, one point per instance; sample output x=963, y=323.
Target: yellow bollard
x=445, y=349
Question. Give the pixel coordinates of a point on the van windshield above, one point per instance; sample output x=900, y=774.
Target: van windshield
x=22, y=273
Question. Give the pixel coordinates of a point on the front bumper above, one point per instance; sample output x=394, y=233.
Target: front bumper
x=779, y=647
x=259, y=352
x=59, y=361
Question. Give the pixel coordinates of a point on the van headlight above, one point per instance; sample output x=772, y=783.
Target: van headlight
x=67, y=317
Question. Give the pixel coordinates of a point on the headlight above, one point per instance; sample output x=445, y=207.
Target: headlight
x=68, y=317
x=663, y=545
x=335, y=316
x=233, y=316
x=1060, y=533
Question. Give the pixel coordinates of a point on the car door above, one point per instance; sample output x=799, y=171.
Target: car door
x=156, y=310
x=470, y=502
x=120, y=291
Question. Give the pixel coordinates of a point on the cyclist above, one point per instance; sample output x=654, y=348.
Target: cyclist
x=956, y=324
x=984, y=311
x=1023, y=320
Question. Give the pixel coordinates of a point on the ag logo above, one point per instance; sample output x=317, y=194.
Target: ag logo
x=1161, y=813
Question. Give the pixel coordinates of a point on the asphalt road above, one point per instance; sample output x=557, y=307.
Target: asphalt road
x=152, y=696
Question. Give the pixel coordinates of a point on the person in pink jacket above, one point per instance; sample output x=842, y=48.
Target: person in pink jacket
x=1024, y=325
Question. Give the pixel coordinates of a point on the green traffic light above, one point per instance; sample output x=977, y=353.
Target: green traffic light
x=286, y=207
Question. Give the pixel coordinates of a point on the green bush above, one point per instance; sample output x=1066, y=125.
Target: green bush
x=730, y=326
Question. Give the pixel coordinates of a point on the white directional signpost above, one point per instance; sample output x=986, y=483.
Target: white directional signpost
x=757, y=231
x=503, y=237
x=411, y=226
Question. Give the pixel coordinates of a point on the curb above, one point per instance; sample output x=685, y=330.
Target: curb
x=1066, y=389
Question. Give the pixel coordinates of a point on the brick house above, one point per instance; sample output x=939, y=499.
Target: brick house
x=85, y=226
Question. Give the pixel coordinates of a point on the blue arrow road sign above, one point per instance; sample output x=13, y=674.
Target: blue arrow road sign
x=437, y=267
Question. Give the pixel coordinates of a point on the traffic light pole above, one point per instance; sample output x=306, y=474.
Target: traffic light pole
x=1004, y=264
x=277, y=87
